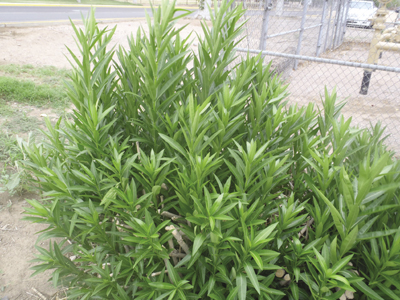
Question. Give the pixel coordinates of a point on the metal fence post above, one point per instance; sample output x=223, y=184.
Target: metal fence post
x=346, y=12
x=303, y=21
x=322, y=28
x=327, y=38
x=339, y=13
x=264, y=29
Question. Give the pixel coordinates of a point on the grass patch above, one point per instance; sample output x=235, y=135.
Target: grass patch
x=6, y=110
x=26, y=85
x=21, y=86
x=21, y=124
x=74, y=2
x=28, y=92
x=38, y=72
x=9, y=150
x=13, y=179
x=39, y=86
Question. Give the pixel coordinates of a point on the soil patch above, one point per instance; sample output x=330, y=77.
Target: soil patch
x=17, y=248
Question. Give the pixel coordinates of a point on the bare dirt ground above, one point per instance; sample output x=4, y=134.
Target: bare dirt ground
x=46, y=46
x=39, y=46
x=17, y=248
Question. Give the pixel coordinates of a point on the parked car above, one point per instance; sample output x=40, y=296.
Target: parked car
x=360, y=13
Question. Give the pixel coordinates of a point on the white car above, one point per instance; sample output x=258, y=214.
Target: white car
x=360, y=13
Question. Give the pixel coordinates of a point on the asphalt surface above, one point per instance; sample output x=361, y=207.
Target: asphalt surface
x=21, y=14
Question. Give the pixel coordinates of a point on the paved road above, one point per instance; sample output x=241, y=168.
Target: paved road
x=25, y=14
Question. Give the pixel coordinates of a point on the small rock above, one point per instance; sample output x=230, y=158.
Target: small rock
x=349, y=294
x=5, y=298
x=43, y=115
x=286, y=277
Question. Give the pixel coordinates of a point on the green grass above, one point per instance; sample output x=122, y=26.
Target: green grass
x=12, y=178
x=6, y=110
x=9, y=150
x=28, y=92
x=74, y=2
x=22, y=86
x=21, y=124
x=26, y=84
x=38, y=72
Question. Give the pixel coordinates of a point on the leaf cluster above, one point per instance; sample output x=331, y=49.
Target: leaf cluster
x=179, y=176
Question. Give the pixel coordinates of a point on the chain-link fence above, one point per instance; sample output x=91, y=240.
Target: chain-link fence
x=318, y=43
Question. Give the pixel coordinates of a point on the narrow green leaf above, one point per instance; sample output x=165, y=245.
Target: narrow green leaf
x=233, y=293
x=321, y=261
x=162, y=285
x=349, y=241
x=257, y=259
x=174, y=144
x=264, y=234
x=340, y=264
x=388, y=292
x=108, y=197
x=173, y=273
x=198, y=241
x=337, y=218
x=361, y=286
x=241, y=283
x=376, y=234
x=252, y=276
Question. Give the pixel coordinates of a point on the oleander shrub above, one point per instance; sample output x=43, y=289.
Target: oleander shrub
x=185, y=174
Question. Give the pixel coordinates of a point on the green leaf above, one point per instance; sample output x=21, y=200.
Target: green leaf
x=349, y=241
x=162, y=285
x=252, y=276
x=393, y=281
x=388, y=292
x=241, y=283
x=337, y=218
x=347, y=188
x=321, y=261
x=340, y=264
x=264, y=234
x=108, y=197
x=257, y=258
x=174, y=144
x=376, y=234
x=294, y=288
x=233, y=293
x=361, y=286
x=172, y=273
x=198, y=241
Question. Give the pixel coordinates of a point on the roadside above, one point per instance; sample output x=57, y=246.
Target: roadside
x=44, y=14
x=94, y=3
x=66, y=2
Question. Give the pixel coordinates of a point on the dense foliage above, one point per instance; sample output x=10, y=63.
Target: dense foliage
x=184, y=175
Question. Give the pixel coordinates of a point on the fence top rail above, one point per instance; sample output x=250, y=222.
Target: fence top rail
x=322, y=60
